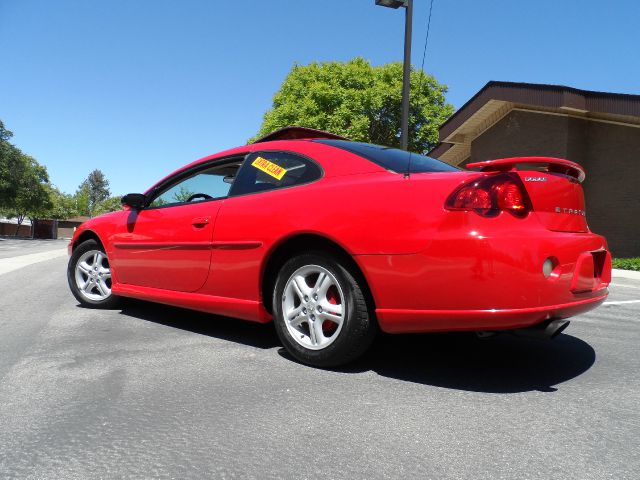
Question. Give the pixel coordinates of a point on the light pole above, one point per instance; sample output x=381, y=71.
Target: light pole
x=406, y=71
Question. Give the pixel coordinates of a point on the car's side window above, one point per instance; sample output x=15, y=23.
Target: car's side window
x=263, y=171
x=206, y=184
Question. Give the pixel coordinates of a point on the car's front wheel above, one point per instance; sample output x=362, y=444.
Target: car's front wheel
x=89, y=276
x=320, y=311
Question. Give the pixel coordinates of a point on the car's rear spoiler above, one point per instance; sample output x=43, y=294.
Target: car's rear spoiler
x=297, y=133
x=555, y=165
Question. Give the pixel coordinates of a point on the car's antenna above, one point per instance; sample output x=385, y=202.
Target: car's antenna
x=424, y=55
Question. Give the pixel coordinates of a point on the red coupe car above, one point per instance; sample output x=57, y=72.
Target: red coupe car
x=333, y=240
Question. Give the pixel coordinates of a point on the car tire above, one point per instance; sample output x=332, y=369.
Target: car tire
x=89, y=276
x=321, y=314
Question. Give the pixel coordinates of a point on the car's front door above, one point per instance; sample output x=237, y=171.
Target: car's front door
x=167, y=244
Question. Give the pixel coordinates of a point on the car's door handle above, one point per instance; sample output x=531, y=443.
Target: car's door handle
x=200, y=221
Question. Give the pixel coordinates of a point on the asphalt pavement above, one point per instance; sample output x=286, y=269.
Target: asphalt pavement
x=150, y=391
x=13, y=247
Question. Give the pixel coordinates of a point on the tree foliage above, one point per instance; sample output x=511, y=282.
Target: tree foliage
x=182, y=195
x=107, y=205
x=81, y=200
x=11, y=167
x=24, y=183
x=31, y=197
x=92, y=191
x=4, y=133
x=63, y=205
x=93, y=196
x=360, y=102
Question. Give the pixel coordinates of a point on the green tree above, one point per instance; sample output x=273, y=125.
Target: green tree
x=81, y=200
x=110, y=204
x=24, y=183
x=93, y=190
x=32, y=192
x=360, y=102
x=4, y=133
x=183, y=194
x=63, y=205
x=11, y=168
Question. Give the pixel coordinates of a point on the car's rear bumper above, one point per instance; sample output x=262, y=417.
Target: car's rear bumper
x=482, y=283
x=408, y=321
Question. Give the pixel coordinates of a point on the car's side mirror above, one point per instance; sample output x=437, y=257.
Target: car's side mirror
x=134, y=200
x=228, y=178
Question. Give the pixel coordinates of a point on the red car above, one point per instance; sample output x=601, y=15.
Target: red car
x=333, y=239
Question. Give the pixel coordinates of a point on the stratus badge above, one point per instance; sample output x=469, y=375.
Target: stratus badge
x=571, y=211
x=535, y=179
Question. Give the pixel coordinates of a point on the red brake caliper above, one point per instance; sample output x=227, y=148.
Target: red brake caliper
x=328, y=326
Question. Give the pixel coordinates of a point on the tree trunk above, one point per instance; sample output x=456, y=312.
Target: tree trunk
x=20, y=219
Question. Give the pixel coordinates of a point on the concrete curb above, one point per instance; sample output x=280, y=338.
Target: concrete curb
x=617, y=273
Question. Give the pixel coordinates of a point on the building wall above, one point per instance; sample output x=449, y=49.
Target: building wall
x=609, y=153
x=522, y=134
x=10, y=229
x=66, y=232
x=612, y=186
x=45, y=229
x=66, y=228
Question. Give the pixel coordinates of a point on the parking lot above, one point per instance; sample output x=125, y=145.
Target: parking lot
x=150, y=391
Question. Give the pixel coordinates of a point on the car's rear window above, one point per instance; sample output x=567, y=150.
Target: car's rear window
x=392, y=158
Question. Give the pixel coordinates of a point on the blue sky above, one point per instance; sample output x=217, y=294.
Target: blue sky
x=138, y=88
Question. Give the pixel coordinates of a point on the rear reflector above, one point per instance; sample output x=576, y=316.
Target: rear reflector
x=592, y=271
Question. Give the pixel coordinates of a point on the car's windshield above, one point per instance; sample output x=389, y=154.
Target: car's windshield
x=392, y=159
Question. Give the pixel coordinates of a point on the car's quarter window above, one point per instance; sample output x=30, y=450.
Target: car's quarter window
x=205, y=184
x=263, y=171
x=392, y=159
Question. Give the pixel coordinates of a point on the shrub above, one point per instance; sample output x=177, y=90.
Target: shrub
x=627, y=263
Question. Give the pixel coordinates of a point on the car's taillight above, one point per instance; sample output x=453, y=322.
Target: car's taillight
x=490, y=195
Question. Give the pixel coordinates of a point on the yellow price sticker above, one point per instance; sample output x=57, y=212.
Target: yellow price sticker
x=270, y=168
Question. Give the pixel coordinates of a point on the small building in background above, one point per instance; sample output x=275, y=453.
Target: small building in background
x=9, y=227
x=65, y=228
x=599, y=130
x=41, y=228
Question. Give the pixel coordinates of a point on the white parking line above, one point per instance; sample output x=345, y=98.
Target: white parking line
x=621, y=302
x=14, y=263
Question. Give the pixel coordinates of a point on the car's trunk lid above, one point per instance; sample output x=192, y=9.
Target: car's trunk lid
x=554, y=187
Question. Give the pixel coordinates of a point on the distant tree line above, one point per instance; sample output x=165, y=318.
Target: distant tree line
x=26, y=192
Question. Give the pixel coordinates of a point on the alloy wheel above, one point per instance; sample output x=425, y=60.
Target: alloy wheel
x=93, y=275
x=313, y=305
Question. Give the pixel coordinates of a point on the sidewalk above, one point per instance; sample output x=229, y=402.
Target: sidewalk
x=617, y=273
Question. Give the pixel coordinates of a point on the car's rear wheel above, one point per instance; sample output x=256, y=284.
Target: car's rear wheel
x=89, y=276
x=320, y=311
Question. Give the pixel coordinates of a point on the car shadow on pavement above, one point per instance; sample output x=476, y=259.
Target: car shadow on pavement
x=248, y=333
x=461, y=361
